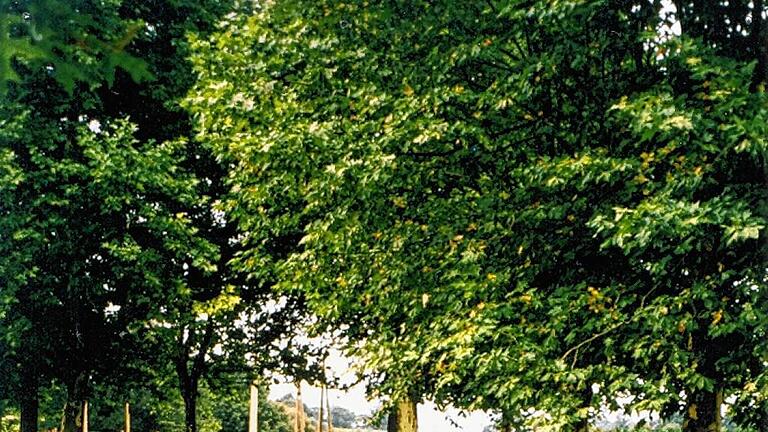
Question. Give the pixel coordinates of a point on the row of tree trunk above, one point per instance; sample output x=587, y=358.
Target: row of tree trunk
x=402, y=418
x=324, y=397
x=300, y=420
x=703, y=412
x=74, y=419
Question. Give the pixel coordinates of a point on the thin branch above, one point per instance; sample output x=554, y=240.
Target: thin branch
x=510, y=54
x=199, y=363
x=575, y=349
x=429, y=154
x=505, y=67
x=591, y=339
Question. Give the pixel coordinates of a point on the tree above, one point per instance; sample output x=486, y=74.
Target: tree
x=342, y=417
x=169, y=245
x=92, y=265
x=508, y=202
x=86, y=210
x=391, y=195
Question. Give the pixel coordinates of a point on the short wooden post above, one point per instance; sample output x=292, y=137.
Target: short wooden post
x=253, y=412
x=127, y=417
x=85, y=416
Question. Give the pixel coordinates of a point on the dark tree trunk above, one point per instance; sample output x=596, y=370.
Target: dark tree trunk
x=403, y=417
x=190, y=407
x=72, y=418
x=506, y=423
x=763, y=426
x=703, y=412
x=759, y=37
x=28, y=398
x=189, y=374
x=586, y=402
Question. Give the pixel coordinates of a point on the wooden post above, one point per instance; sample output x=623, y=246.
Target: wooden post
x=320, y=410
x=127, y=417
x=253, y=412
x=85, y=416
x=328, y=410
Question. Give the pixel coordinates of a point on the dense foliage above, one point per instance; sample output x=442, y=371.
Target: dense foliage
x=508, y=205
x=114, y=271
x=72, y=41
x=533, y=207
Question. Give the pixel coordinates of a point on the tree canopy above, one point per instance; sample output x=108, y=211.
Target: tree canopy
x=508, y=202
x=114, y=255
x=533, y=207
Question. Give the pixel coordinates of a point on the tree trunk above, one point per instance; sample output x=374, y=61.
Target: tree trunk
x=403, y=417
x=328, y=409
x=582, y=426
x=189, y=394
x=72, y=418
x=759, y=35
x=586, y=402
x=763, y=426
x=300, y=421
x=506, y=423
x=703, y=412
x=28, y=398
x=189, y=374
x=320, y=410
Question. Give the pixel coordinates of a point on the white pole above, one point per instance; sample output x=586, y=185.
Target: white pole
x=85, y=416
x=127, y=417
x=253, y=414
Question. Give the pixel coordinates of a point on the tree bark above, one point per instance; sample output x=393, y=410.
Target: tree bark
x=403, y=417
x=703, y=412
x=586, y=402
x=72, y=418
x=28, y=398
x=759, y=36
x=328, y=409
x=506, y=423
x=189, y=374
x=190, y=406
x=300, y=422
x=763, y=426
x=320, y=410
